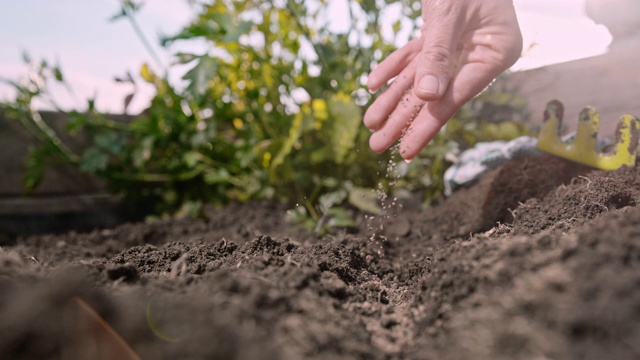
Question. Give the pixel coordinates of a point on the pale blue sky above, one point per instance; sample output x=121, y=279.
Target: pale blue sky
x=92, y=50
x=79, y=31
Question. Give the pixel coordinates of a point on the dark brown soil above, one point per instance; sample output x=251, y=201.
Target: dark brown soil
x=539, y=260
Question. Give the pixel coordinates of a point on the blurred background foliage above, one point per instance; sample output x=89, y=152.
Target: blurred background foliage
x=272, y=110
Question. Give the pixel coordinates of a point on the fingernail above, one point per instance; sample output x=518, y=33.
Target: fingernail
x=429, y=84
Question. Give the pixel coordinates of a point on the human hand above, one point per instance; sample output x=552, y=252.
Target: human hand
x=463, y=47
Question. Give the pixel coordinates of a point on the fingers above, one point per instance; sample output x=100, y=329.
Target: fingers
x=444, y=22
x=397, y=122
x=393, y=65
x=470, y=80
x=393, y=96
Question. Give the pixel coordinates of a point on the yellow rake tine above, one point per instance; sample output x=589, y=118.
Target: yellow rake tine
x=583, y=149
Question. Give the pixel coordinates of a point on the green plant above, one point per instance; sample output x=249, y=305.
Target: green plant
x=271, y=110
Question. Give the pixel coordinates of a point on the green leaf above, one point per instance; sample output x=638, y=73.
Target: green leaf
x=364, y=199
x=200, y=75
x=217, y=176
x=142, y=153
x=58, y=73
x=34, y=169
x=299, y=215
x=207, y=29
x=329, y=200
x=340, y=218
x=345, y=122
x=234, y=33
x=91, y=105
x=77, y=121
x=193, y=208
x=111, y=142
x=93, y=160
x=223, y=19
x=191, y=158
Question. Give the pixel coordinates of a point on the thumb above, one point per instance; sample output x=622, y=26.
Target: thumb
x=443, y=24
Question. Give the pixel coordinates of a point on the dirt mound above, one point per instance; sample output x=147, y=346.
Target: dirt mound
x=497, y=194
x=587, y=198
x=560, y=280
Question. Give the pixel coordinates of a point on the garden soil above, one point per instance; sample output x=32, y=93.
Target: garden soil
x=538, y=260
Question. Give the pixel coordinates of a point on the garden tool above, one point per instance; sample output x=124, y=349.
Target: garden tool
x=583, y=148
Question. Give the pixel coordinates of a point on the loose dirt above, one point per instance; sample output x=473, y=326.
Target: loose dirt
x=539, y=260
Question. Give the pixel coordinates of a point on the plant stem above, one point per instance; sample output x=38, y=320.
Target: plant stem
x=143, y=38
x=51, y=136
